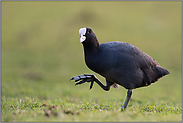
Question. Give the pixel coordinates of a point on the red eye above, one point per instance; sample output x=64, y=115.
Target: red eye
x=87, y=32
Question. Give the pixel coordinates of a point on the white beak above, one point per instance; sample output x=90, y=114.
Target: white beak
x=82, y=39
x=82, y=32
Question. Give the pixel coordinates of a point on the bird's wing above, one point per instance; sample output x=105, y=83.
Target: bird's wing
x=141, y=58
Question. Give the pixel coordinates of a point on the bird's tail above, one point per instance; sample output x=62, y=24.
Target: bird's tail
x=153, y=74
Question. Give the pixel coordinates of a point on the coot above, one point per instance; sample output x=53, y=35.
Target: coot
x=119, y=62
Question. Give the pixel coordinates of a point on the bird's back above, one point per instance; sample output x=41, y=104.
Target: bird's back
x=129, y=50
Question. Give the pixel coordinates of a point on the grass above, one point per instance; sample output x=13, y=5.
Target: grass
x=41, y=52
x=31, y=109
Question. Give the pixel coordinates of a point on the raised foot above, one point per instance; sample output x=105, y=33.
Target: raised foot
x=84, y=78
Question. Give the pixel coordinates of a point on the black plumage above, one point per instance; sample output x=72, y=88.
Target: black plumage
x=119, y=62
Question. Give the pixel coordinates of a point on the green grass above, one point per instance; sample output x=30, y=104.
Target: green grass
x=61, y=110
x=41, y=52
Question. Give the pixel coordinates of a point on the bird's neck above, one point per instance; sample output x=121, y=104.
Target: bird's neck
x=91, y=46
x=91, y=52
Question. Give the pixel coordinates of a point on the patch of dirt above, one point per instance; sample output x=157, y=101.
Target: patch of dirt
x=52, y=110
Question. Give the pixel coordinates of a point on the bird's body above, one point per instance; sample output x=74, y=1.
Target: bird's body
x=123, y=64
x=119, y=62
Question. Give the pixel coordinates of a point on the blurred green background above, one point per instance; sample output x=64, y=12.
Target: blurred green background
x=41, y=49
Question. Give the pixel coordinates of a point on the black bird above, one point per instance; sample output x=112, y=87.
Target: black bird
x=119, y=62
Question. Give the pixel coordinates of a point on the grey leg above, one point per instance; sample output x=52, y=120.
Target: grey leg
x=90, y=78
x=129, y=93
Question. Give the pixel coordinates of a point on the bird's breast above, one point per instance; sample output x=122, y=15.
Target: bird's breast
x=96, y=63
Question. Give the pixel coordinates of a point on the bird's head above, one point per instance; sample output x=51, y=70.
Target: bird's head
x=88, y=38
x=86, y=35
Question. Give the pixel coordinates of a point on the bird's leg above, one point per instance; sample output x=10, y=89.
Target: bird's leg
x=89, y=78
x=129, y=93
